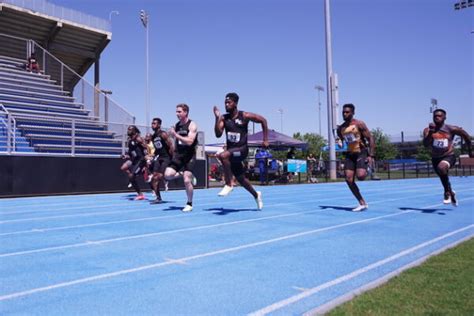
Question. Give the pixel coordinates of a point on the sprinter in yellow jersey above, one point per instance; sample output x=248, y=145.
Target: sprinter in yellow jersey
x=361, y=150
x=439, y=137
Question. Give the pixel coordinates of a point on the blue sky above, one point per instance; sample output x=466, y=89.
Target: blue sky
x=391, y=56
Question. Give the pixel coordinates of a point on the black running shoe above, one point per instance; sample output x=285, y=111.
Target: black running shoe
x=156, y=201
x=454, y=201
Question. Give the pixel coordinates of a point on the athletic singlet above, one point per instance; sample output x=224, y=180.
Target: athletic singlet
x=180, y=147
x=236, y=130
x=135, y=150
x=352, y=137
x=161, y=147
x=443, y=141
x=150, y=148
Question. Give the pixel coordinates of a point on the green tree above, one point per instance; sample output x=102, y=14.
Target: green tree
x=315, y=143
x=384, y=149
x=423, y=153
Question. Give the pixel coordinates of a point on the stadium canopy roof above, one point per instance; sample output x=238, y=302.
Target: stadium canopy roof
x=73, y=37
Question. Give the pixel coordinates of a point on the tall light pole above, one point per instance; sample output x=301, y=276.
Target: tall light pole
x=280, y=110
x=144, y=17
x=112, y=13
x=320, y=89
x=329, y=80
x=434, y=105
x=464, y=4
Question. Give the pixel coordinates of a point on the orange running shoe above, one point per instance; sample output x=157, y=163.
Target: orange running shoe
x=139, y=197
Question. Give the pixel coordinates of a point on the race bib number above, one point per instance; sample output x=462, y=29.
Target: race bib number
x=350, y=138
x=440, y=143
x=158, y=144
x=233, y=137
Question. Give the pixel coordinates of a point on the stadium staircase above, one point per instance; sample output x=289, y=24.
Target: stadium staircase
x=46, y=117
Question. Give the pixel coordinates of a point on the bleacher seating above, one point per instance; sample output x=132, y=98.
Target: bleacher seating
x=44, y=115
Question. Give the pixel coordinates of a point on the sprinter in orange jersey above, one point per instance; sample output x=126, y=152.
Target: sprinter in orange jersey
x=361, y=150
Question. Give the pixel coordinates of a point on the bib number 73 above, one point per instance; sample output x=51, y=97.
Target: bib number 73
x=440, y=143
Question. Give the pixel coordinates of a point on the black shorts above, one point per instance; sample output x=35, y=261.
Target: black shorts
x=451, y=160
x=356, y=161
x=136, y=166
x=160, y=164
x=237, y=156
x=182, y=162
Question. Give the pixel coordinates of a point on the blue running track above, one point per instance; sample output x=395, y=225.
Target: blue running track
x=305, y=252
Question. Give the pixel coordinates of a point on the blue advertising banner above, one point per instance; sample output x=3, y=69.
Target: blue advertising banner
x=296, y=165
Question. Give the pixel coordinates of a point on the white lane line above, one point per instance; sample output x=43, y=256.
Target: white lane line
x=83, y=203
x=320, y=310
x=86, y=197
x=195, y=257
x=242, y=193
x=73, y=196
x=197, y=200
x=147, y=208
x=176, y=261
x=293, y=299
x=134, y=210
x=105, y=241
x=147, y=218
x=300, y=289
x=126, y=238
x=72, y=207
x=42, y=230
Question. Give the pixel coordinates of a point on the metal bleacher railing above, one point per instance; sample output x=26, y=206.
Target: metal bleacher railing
x=63, y=13
x=7, y=131
x=56, y=111
x=35, y=134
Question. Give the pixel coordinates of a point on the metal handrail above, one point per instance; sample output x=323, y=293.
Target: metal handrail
x=68, y=68
x=82, y=78
x=8, y=113
x=120, y=127
x=11, y=130
x=1, y=118
x=69, y=120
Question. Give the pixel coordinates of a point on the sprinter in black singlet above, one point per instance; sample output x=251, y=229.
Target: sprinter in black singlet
x=439, y=137
x=163, y=153
x=185, y=135
x=135, y=158
x=235, y=124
